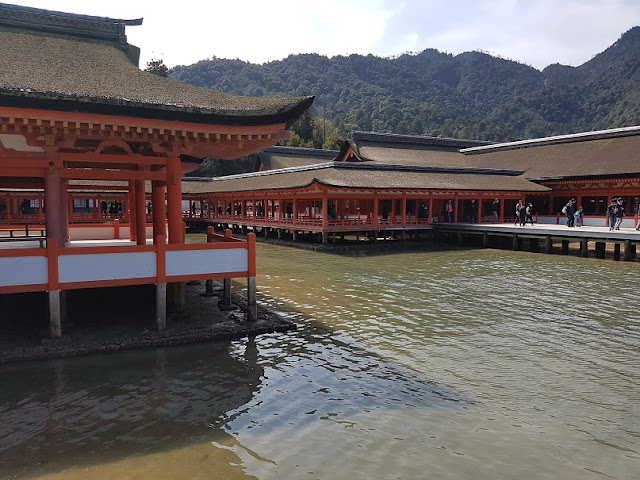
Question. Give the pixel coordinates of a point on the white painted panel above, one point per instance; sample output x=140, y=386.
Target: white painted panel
x=106, y=266
x=547, y=220
x=192, y=262
x=594, y=222
x=23, y=271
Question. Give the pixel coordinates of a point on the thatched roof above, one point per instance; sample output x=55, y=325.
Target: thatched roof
x=47, y=70
x=286, y=157
x=346, y=175
x=591, y=154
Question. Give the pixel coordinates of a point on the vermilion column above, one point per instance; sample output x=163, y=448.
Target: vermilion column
x=141, y=224
x=64, y=220
x=131, y=201
x=325, y=211
x=376, y=210
x=55, y=207
x=479, y=216
x=403, y=211
x=455, y=209
x=158, y=210
x=174, y=199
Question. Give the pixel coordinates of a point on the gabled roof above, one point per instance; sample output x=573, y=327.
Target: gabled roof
x=370, y=176
x=284, y=157
x=589, y=154
x=69, y=70
x=385, y=148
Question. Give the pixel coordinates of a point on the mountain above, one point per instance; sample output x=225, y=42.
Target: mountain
x=470, y=95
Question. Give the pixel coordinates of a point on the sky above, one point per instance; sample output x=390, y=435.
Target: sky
x=534, y=32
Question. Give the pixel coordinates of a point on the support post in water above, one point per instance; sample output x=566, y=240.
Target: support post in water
x=161, y=306
x=584, y=247
x=55, y=314
x=252, y=305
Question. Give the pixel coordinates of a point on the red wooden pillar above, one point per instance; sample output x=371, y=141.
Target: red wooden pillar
x=141, y=224
x=376, y=210
x=501, y=219
x=455, y=209
x=55, y=206
x=131, y=202
x=295, y=211
x=174, y=199
x=158, y=210
x=403, y=210
x=430, y=212
x=479, y=213
x=64, y=221
x=325, y=210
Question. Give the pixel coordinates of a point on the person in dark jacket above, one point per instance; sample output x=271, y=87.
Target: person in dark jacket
x=570, y=211
x=619, y=213
x=612, y=213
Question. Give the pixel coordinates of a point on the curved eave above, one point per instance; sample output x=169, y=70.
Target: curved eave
x=121, y=107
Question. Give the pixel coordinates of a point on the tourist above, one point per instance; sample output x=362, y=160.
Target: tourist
x=612, y=213
x=569, y=210
x=495, y=209
x=449, y=210
x=518, y=209
x=578, y=217
x=528, y=214
x=148, y=208
x=619, y=213
x=638, y=214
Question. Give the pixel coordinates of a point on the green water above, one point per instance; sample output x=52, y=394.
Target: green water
x=478, y=364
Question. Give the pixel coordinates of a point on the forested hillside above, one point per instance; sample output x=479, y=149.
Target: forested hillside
x=471, y=95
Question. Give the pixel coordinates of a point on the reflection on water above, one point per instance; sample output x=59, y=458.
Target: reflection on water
x=462, y=364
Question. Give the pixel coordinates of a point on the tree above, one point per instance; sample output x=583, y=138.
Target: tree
x=158, y=67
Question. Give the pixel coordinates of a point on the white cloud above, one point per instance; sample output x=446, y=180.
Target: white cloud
x=537, y=32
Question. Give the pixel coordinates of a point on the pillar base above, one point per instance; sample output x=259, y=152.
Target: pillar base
x=161, y=306
x=55, y=314
x=252, y=304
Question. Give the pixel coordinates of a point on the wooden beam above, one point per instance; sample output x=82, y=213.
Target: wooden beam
x=111, y=158
x=100, y=174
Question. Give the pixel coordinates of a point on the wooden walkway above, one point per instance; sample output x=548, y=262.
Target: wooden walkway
x=598, y=240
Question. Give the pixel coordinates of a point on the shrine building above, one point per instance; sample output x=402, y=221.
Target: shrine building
x=405, y=183
x=80, y=122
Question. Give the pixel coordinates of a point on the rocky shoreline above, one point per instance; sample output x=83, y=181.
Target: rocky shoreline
x=202, y=320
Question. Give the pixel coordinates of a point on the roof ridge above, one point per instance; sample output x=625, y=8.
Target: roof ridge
x=555, y=140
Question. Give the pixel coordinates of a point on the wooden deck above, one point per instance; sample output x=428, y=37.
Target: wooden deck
x=597, y=240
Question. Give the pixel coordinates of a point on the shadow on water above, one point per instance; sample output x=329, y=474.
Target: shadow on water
x=88, y=411
x=98, y=409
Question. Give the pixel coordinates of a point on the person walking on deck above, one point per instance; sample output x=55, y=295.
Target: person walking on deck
x=612, y=213
x=495, y=209
x=569, y=210
x=578, y=217
x=619, y=213
x=518, y=212
x=638, y=213
x=449, y=211
x=528, y=214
